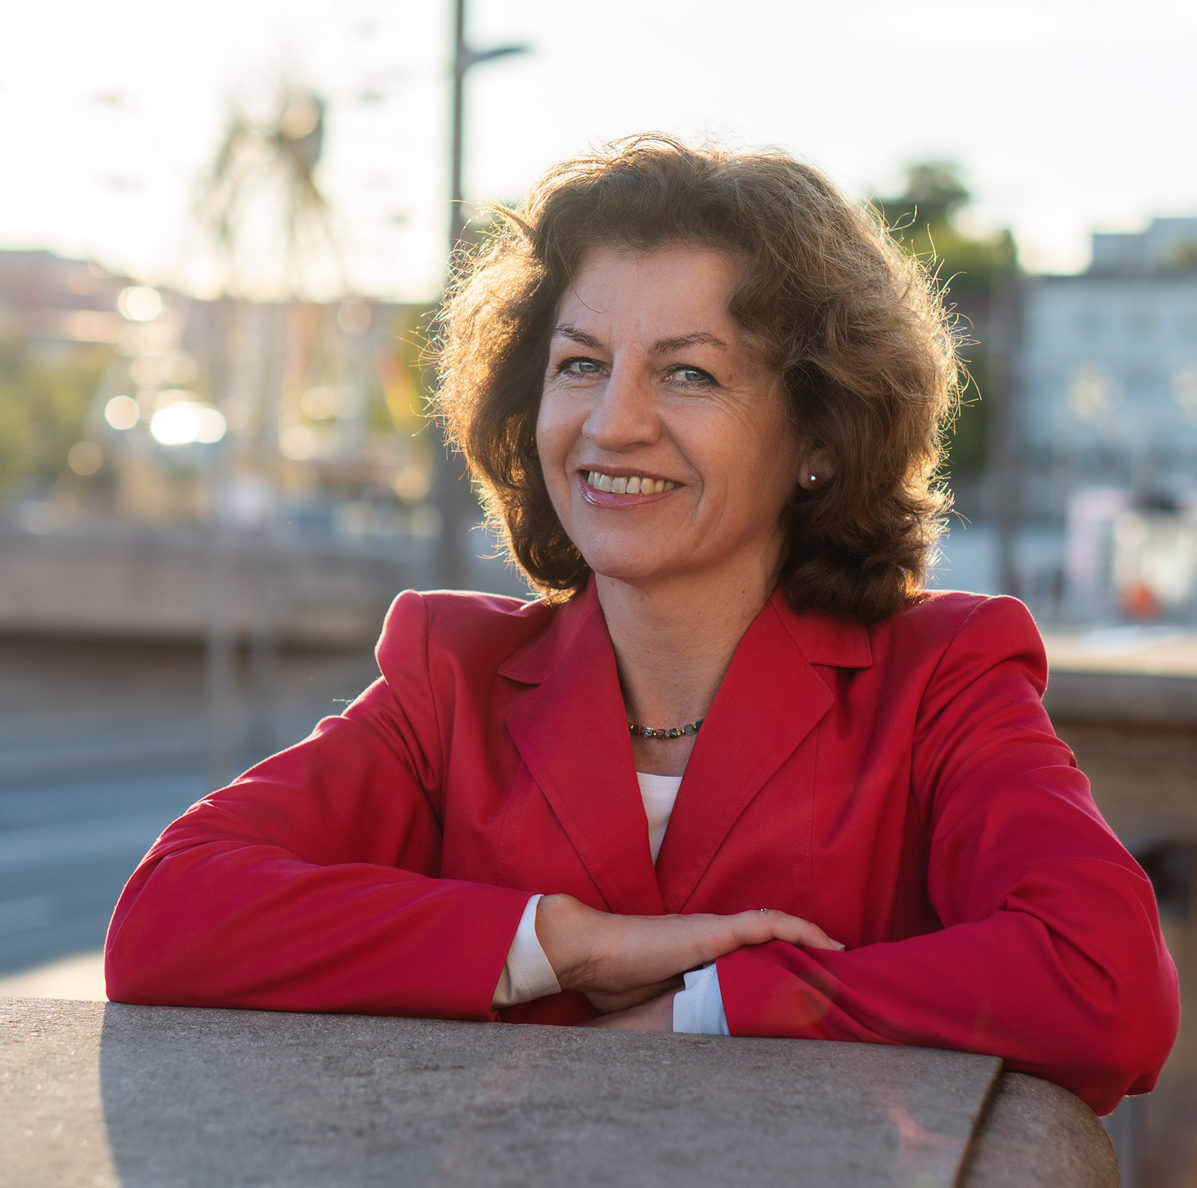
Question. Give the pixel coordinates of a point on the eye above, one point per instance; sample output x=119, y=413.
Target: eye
x=691, y=377
x=579, y=366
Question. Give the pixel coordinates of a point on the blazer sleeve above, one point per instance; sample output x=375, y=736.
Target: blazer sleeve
x=1050, y=954
x=311, y=882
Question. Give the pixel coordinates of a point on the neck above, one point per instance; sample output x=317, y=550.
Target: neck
x=672, y=650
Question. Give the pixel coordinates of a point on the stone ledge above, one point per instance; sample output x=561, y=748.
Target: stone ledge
x=107, y=1094
x=1124, y=676
x=1152, y=700
x=1026, y=1116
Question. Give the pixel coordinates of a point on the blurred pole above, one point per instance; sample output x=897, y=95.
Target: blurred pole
x=1006, y=460
x=457, y=506
x=272, y=330
x=220, y=643
x=457, y=219
x=453, y=487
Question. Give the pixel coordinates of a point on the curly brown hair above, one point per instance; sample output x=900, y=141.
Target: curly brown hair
x=854, y=327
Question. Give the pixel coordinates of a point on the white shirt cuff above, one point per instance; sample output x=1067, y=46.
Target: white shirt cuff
x=698, y=1009
x=527, y=973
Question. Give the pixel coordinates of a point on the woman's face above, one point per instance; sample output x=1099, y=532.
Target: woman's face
x=663, y=437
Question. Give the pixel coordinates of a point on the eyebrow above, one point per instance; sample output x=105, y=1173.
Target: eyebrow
x=662, y=346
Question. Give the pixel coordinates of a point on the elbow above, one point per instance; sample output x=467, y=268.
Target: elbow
x=1122, y=1044
x=135, y=949
x=120, y=980
x=1141, y=1039
x=1117, y=1013
x=1141, y=1023
x=124, y=970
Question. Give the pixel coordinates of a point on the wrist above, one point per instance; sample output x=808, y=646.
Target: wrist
x=560, y=927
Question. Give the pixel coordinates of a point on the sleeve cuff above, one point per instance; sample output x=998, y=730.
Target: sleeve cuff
x=527, y=973
x=698, y=1009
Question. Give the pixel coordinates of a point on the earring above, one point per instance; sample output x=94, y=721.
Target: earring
x=814, y=478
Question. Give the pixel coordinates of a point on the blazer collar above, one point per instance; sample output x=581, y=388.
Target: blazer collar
x=771, y=699
x=823, y=639
x=571, y=731
x=572, y=734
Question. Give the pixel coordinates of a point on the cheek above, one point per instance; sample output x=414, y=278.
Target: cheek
x=552, y=445
x=546, y=435
x=556, y=430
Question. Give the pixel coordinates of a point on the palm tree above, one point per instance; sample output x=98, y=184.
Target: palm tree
x=260, y=206
x=266, y=230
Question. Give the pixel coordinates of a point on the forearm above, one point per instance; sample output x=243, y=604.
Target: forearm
x=1006, y=986
x=226, y=924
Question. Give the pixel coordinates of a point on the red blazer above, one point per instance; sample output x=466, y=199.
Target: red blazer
x=899, y=784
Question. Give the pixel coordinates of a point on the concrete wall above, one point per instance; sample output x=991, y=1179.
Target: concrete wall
x=164, y=586
x=1134, y=731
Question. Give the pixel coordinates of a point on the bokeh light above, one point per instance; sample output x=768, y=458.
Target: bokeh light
x=319, y=403
x=300, y=443
x=139, y=303
x=186, y=422
x=122, y=412
x=85, y=458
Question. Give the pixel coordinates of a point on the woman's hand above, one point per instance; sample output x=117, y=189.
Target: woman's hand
x=654, y=1015
x=622, y=961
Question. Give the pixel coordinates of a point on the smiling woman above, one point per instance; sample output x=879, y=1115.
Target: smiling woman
x=811, y=291
x=701, y=393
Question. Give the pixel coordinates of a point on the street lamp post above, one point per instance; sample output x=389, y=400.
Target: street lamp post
x=455, y=503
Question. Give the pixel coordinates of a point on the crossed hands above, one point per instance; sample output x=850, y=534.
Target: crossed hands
x=630, y=967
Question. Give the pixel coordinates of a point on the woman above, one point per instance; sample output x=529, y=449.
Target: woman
x=702, y=395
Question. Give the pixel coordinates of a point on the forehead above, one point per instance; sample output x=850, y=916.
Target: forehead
x=670, y=284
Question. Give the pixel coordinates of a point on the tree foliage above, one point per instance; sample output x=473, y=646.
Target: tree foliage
x=924, y=219
x=44, y=405
x=972, y=271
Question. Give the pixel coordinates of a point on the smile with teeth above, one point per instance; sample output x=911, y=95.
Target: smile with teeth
x=621, y=485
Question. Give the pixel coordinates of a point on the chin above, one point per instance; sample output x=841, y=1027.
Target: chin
x=614, y=571
x=621, y=568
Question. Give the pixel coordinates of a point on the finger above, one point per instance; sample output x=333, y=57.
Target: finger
x=771, y=924
x=712, y=936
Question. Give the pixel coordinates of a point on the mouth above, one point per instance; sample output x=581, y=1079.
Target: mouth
x=622, y=484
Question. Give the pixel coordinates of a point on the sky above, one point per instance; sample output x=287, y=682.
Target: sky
x=1066, y=116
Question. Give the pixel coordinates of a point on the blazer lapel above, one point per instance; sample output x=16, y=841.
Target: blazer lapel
x=769, y=702
x=570, y=731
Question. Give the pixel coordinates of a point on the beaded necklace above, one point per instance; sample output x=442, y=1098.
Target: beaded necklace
x=665, y=732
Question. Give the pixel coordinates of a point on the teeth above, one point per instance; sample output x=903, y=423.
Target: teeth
x=636, y=485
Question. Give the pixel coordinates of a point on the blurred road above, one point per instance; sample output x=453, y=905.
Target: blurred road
x=102, y=745
x=66, y=848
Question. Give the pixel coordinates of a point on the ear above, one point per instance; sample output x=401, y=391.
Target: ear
x=816, y=468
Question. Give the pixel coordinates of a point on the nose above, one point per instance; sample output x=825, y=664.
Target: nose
x=624, y=412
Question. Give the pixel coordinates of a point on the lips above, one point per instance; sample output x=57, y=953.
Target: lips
x=621, y=484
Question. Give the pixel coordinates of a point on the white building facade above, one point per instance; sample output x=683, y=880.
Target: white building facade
x=1106, y=402
x=1108, y=372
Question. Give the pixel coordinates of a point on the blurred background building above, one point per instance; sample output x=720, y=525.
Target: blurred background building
x=1107, y=423
x=144, y=418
